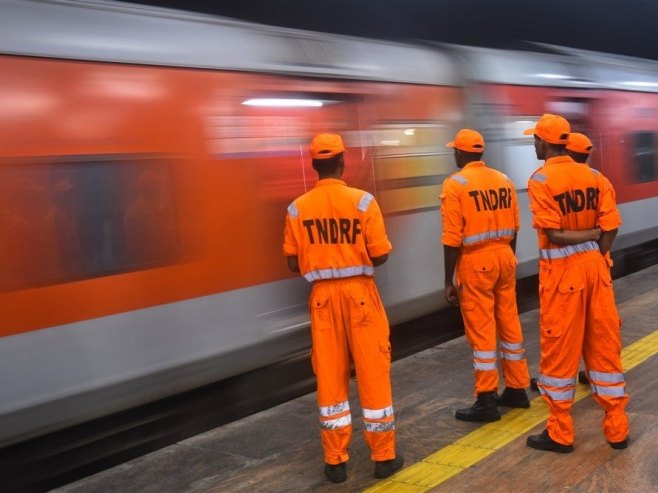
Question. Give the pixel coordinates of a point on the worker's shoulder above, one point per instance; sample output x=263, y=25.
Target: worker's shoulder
x=361, y=198
x=456, y=177
x=497, y=175
x=540, y=175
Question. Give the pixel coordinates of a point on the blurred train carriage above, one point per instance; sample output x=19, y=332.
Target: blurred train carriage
x=147, y=157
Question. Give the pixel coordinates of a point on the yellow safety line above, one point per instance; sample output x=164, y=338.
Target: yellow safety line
x=472, y=448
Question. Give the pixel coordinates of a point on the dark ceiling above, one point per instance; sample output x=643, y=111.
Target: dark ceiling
x=627, y=27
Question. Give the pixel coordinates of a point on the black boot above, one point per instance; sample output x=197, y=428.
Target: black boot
x=545, y=442
x=385, y=468
x=335, y=472
x=582, y=378
x=533, y=384
x=513, y=398
x=484, y=409
x=620, y=445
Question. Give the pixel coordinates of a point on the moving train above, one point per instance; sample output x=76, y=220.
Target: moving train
x=147, y=157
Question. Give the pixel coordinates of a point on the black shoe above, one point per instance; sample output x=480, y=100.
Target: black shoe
x=513, y=398
x=619, y=445
x=582, y=378
x=545, y=442
x=484, y=409
x=335, y=472
x=384, y=468
x=533, y=384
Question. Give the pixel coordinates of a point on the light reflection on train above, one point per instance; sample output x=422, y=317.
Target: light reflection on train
x=143, y=185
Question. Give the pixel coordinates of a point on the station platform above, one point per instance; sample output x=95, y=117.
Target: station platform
x=278, y=450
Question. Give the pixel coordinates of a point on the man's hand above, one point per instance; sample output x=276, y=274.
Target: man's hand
x=450, y=294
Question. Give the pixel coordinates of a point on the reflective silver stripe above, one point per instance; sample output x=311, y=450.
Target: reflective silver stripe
x=377, y=413
x=594, y=171
x=335, y=409
x=512, y=356
x=616, y=391
x=488, y=235
x=550, y=253
x=357, y=270
x=539, y=177
x=484, y=354
x=484, y=366
x=459, y=179
x=556, y=382
x=292, y=210
x=334, y=424
x=365, y=202
x=555, y=395
x=379, y=427
x=601, y=376
x=511, y=346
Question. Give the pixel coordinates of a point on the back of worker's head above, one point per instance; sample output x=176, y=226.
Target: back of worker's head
x=579, y=147
x=551, y=133
x=327, y=151
x=468, y=145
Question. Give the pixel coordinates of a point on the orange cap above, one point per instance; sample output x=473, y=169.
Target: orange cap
x=551, y=128
x=579, y=143
x=468, y=140
x=324, y=146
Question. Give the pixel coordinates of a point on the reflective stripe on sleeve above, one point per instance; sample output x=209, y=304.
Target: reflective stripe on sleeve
x=377, y=413
x=539, y=177
x=365, y=202
x=566, y=251
x=460, y=179
x=292, y=210
x=357, y=270
x=488, y=235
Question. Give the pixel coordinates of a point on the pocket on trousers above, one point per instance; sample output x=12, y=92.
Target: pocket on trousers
x=606, y=278
x=483, y=266
x=385, y=348
x=567, y=286
x=551, y=331
x=360, y=307
x=320, y=312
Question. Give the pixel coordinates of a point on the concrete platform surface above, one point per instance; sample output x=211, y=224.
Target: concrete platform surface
x=279, y=450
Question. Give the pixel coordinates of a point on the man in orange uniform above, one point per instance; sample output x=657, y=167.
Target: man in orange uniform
x=578, y=148
x=576, y=218
x=480, y=222
x=334, y=236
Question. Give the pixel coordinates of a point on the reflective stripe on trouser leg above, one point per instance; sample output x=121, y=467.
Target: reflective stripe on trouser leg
x=602, y=354
x=476, y=301
x=368, y=335
x=331, y=364
x=513, y=363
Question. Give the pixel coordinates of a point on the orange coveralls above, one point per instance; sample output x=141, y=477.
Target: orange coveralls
x=481, y=216
x=577, y=303
x=334, y=230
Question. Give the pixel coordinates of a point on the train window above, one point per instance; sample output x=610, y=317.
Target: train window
x=72, y=218
x=644, y=156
